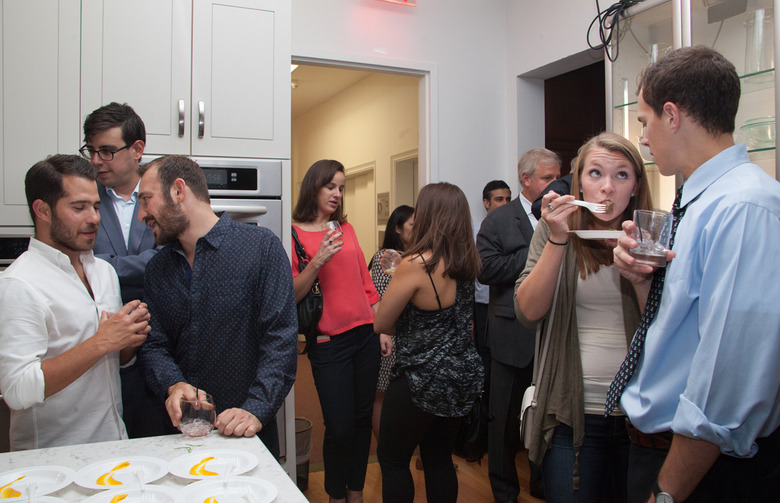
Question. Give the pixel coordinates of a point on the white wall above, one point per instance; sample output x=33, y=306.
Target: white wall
x=546, y=38
x=484, y=117
x=462, y=43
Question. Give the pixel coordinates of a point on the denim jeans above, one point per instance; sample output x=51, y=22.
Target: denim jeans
x=345, y=371
x=403, y=427
x=603, y=463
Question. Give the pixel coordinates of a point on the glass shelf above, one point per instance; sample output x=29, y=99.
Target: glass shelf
x=624, y=105
x=651, y=167
x=763, y=149
x=757, y=81
x=751, y=82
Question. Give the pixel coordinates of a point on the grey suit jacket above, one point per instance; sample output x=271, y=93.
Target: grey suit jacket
x=503, y=243
x=128, y=261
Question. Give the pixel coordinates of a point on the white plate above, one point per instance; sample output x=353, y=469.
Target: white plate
x=243, y=461
x=88, y=477
x=599, y=234
x=208, y=491
x=48, y=479
x=151, y=494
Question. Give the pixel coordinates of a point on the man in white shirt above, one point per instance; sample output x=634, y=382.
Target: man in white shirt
x=115, y=137
x=503, y=246
x=61, y=344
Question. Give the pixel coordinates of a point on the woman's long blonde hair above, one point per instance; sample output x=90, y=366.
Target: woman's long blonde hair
x=592, y=254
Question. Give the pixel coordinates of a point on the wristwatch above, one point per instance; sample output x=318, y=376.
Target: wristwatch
x=660, y=496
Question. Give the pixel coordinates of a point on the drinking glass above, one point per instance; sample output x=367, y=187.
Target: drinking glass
x=197, y=416
x=335, y=226
x=652, y=230
x=390, y=260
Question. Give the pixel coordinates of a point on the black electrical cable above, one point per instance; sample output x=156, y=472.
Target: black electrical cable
x=609, y=25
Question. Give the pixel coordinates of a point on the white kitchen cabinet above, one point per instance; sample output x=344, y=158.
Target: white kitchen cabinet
x=39, y=95
x=208, y=78
x=656, y=26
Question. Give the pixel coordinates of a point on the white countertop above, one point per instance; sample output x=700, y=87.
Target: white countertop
x=166, y=447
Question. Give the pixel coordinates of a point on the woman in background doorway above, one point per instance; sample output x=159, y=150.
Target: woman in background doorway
x=438, y=373
x=345, y=357
x=398, y=234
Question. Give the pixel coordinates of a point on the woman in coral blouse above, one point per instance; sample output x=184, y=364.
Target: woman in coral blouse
x=345, y=357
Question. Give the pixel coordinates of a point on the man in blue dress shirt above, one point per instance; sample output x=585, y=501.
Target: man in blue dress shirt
x=704, y=400
x=224, y=320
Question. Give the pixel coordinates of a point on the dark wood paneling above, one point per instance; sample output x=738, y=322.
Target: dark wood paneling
x=573, y=110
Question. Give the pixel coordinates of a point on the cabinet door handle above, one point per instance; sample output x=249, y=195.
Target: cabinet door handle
x=201, y=118
x=181, y=118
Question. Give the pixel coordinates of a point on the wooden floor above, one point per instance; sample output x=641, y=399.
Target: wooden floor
x=473, y=484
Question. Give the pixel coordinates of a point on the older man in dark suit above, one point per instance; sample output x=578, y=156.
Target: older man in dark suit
x=115, y=137
x=503, y=246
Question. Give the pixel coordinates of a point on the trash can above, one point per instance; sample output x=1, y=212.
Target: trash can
x=302, y=451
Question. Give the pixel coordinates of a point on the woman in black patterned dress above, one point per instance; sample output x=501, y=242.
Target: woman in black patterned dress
x=438, y=373
x=398, y=234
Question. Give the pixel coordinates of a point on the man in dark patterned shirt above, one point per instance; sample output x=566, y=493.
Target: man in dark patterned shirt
x=220, y=293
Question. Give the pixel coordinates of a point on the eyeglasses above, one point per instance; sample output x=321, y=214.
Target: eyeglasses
x=104, y=153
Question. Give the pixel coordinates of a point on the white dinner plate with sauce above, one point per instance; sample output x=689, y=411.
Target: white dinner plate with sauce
x=596, y=234
x=150, y=494
x=212, y=463
x=118, y=472
x=48, y=479
x=230, y=491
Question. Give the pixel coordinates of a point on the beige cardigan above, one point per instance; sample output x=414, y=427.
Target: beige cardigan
x=560, y=395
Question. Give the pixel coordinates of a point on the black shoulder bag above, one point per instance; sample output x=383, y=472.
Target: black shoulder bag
x=310, y=307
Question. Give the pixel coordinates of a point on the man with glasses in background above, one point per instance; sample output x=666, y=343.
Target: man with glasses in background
x=115, y=137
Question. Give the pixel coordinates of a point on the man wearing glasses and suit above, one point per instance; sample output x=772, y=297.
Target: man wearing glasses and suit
x=115, y=137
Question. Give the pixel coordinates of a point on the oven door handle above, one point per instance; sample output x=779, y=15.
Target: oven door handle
x=240, y=210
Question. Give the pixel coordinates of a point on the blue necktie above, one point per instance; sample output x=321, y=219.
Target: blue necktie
x=648, y=315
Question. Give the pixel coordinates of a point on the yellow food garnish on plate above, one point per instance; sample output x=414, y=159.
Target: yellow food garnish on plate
x=200, y=468
x=9, y=492
x=210, y=500
x=118, y=498
x=107, y=479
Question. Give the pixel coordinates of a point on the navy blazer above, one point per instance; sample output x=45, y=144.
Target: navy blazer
x=128, y=261
x=502, y=242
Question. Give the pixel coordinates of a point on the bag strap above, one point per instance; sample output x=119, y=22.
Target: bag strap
x=303, y=259
x=538, y=372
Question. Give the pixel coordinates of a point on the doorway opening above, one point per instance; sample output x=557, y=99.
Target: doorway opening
x=361, y=115
x=377, y=122
x=574, y=104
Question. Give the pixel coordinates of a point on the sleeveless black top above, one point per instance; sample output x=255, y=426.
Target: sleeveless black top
x=436, y=354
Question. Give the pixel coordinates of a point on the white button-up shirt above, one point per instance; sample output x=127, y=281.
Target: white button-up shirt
x=124, y=210
x=45, y=310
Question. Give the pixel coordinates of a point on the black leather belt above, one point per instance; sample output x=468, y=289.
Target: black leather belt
x=659, y=441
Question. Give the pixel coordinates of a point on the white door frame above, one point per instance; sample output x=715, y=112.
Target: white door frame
x=362, y=169
x=394, y=161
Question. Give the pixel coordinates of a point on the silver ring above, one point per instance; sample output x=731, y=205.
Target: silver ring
x=550, y=206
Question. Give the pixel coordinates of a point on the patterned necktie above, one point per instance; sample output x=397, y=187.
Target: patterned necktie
x=651, y=308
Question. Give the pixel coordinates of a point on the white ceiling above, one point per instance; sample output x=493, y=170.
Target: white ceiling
x=318, y=84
